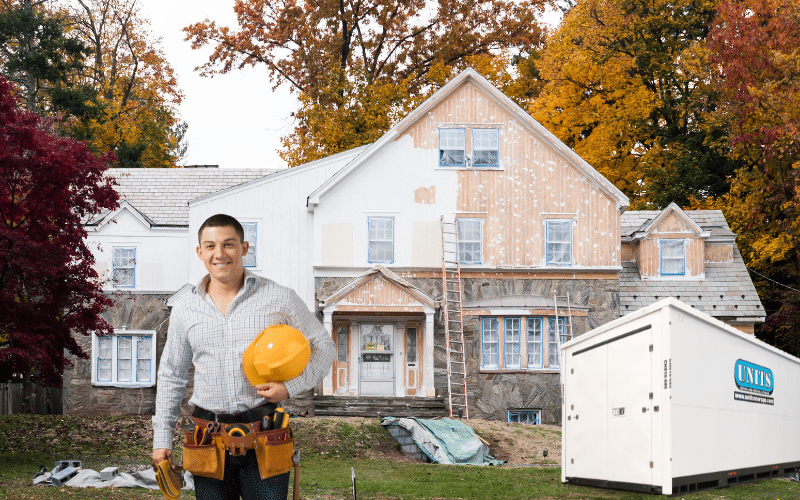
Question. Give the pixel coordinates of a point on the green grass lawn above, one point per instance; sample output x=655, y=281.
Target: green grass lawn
x=124, y=441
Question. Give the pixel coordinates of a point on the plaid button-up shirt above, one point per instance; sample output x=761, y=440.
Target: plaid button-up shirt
x=199, y=334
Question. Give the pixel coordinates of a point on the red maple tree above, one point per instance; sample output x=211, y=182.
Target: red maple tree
x=49, y=291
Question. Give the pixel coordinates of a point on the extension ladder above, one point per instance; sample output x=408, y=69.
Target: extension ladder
x=453, y=321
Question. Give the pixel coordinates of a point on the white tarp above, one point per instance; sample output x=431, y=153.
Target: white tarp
x=131, y=479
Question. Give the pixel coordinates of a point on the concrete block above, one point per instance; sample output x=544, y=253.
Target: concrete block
x=109, y=473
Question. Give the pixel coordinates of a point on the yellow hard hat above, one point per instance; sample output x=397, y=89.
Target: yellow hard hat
x=278, y=354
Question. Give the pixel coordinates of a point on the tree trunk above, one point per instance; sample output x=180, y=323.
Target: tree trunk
x=28, y=394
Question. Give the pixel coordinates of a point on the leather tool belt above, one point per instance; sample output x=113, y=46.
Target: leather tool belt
x=273, y=448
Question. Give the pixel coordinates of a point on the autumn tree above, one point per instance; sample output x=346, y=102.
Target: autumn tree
x=49, y=290
x=358, y=66
x=138, y=93
x=756, y=47
x=39, y=54
x=628, y=89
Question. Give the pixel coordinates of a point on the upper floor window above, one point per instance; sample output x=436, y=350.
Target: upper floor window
x=484, y=144
x=381, y=240
x=452, y=147
x=250, y=236
x=673, y=257
x=470, y=241
x=485, y=147
x=123, y=267
x=559, y=242
x=124, y=359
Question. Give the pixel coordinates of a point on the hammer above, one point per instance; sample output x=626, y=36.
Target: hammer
x=296, y=462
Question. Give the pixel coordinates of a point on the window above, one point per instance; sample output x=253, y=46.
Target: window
x=534, y=335
x=341, y=344
x=250, y=236
x=673, y=257
x=531, y=417
x=411, y=345
x=559, y=242
x=124, y=359
x=381, y=240
x=470, y=241
x=554, y=339
x=518, y=343
x=452, y=147
x=123, y=267
x=491, y=343
x=512, y=347
x=485, y=148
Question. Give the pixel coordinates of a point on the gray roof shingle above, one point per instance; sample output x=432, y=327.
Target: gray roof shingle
x=162, y=194
x=727, y=292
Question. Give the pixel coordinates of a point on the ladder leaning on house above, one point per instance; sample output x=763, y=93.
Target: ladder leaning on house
x=453, y=321
x=567, y=318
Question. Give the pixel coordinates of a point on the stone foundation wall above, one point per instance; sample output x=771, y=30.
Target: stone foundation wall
x=491, y=395
x=137, y=312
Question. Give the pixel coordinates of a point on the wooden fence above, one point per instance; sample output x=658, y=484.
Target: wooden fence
x=47, y=400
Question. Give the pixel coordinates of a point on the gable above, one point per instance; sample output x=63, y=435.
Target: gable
x=672, y=224
x=470, y=98
x=379, y=291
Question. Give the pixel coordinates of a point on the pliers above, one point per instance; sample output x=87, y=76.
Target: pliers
x=201, y=435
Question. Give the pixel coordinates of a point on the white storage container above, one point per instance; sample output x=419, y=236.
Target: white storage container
x=670, y=400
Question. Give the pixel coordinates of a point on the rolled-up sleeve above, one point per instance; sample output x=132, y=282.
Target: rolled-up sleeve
x=323, y=349
x=173, y=375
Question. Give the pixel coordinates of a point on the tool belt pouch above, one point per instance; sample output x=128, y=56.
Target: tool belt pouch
x=274, y=451
x=206, y=460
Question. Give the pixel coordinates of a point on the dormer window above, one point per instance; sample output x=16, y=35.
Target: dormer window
x=452, y=147
x=673, y=257
x=469, y=147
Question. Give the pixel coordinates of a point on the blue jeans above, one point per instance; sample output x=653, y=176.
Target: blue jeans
x=242, y=480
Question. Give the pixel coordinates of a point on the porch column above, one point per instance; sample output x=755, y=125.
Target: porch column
x=427, y=358
x=327, y=382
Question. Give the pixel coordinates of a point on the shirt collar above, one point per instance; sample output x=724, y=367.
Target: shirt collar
x=201, y=288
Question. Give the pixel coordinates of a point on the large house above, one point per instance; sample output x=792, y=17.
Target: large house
x=546, y=250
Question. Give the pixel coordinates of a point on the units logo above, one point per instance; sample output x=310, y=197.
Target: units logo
x=753, y=378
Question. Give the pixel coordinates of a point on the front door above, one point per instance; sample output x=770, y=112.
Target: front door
x=377, y=357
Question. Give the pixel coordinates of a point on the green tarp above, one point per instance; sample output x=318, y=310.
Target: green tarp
x=445, y=441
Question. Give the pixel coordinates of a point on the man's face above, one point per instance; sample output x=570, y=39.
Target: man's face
x=221, y=251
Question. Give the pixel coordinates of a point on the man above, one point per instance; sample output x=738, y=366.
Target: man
x=211, y=328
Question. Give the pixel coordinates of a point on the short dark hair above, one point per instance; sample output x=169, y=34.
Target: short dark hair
x=222, y=220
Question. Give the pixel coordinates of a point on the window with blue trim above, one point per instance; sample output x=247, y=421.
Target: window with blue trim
x=559, y=242
x=530, y=417
x=512, y=348
x=470, y=241
x=381, y=240
x=555, y=337
x=250, y=236
x=452, y=147
x=123, y=267
x=485, y=148
x=518, y=343
x=673, y=257
x=490, y=343
x=534, y=337
x=124, y=359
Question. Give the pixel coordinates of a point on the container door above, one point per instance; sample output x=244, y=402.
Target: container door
x=377, y=360
x=630, y=390
x=585, y=439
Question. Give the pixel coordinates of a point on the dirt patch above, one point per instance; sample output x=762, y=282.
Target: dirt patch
x=364, y=437
x=520, y=443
